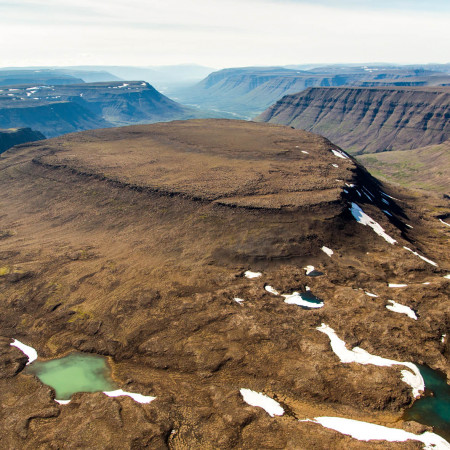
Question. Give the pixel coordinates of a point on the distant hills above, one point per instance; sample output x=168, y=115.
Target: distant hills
x=162, y=77
x=60, y=109
x=247, y=91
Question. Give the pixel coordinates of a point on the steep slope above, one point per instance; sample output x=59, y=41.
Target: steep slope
x=56, y=110
x=368, y=120
x=15, y=136
x=134, y=243
x=248, y=91
x=52, y=119
x=422, y=168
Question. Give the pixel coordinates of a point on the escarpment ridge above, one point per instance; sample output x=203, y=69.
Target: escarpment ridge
x=205, y=259
x=368, y=120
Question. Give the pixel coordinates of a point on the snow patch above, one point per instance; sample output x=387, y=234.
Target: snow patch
x=271, y=290
x=62, y=402
x=395, y=285
x=139, y=398
x=443, y=338
x=26, y=349
x=309, y=269
x=364, y=219
x=370, y=294
x=388, y=196
x=238, y=300
x=402, y=309
x=361, y=356
x=387, y=212
x=409, y=226
x=327, y=250
x=269, y=405
x=335, y=165
x=447, y=276
x=250, y=274
x=445, y=223
x=421, y=257
x=305, y=152
x=296, y=299
x=339, y=154
x=365, y=431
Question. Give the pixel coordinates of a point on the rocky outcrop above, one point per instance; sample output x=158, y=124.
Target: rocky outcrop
x=136, y=242
x=14, y=136
x=368, y=120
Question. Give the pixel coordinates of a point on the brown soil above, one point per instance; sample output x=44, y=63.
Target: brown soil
x=132, y=243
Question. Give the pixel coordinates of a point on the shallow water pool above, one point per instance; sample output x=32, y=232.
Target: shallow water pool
x=77, y=372
x=434, y=408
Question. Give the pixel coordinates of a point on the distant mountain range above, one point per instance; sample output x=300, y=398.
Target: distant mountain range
x=162, y=77
x=247, y=91
x=60, y=109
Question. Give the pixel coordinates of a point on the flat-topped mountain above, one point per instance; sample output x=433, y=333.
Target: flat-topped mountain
x=209, y=261
x=15, y=136
x=248, y=91
x=55, y=109
x=368, y=120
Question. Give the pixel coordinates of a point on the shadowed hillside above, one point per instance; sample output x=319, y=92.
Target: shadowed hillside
x=14, y=136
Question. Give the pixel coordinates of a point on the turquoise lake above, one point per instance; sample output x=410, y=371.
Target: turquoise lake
x=434, y=408
x=77, y=372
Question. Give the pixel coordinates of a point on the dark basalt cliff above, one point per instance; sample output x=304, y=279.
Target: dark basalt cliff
x=133, y=243
x=368, y=120
x=15, y=136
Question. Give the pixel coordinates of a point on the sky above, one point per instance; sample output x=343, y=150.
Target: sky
x=222, y=33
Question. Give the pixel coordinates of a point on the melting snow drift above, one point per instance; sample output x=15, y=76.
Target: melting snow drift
x=364, y=219
x=402, y=309
x=339, y=154
x=361, y=356
x=327, y=250
x=296, y=299
x=365, y=431
x=26, y=349
x=250, y=274
x=253, y=398
x=421, y=257
x=136, y=397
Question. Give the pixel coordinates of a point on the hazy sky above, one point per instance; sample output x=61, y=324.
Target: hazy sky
x=222, y=33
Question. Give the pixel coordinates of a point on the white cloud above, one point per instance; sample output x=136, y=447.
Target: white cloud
x=215, y=32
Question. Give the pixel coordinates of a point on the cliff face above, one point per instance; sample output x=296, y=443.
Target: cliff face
x=57, y=110
x=248, y=91
x=368, y=120
x=14, y=136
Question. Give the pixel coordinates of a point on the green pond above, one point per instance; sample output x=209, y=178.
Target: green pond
x=77, y=372
x=434, y=408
